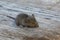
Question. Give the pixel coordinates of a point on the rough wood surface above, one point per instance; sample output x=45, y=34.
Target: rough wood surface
x=49, y=22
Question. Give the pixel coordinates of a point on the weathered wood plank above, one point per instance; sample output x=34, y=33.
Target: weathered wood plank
x=49, y=21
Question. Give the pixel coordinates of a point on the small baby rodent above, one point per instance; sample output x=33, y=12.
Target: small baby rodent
x=26, y=20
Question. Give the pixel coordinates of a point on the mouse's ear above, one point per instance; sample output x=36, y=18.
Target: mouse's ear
x=33, y=15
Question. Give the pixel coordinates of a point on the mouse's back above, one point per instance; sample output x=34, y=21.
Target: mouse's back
x=20, y=18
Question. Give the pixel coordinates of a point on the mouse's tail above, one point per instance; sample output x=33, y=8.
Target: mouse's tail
x=11, y=17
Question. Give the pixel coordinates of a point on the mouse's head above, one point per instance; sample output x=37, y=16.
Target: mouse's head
x=31, y=22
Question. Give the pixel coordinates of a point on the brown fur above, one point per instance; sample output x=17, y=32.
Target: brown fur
x=26, y=20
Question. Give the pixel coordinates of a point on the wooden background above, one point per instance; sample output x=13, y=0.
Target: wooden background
x=47, y=15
